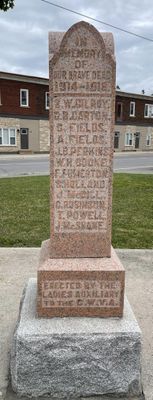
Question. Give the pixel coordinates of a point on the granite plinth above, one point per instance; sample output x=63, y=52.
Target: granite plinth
x=86, y=287
x=75, y=358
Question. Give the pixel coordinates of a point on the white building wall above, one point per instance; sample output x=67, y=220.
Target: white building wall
x=11, y=123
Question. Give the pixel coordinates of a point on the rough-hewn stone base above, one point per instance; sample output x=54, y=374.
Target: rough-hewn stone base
x=75, y=358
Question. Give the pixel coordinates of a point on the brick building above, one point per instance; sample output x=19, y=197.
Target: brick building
x=24, y=114
x=133, y=122
x=24, y=105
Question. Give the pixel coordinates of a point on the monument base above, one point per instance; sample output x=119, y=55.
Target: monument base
x=80, y=287
x=75, y=358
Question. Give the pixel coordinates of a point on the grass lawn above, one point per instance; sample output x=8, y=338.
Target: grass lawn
x=24, y=211
x=132, y=211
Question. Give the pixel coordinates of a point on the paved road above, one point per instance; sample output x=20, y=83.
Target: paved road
x=19, y=165
x=134, y=162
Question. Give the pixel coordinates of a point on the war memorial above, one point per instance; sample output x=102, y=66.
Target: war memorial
x=77, y=337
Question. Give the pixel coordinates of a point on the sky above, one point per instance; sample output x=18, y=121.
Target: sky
x=24, y=36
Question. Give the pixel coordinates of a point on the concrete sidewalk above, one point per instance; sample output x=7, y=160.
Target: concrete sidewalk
x=17, y=265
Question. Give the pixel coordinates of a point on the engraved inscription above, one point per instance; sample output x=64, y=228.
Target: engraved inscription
x=78, y=293
x=82, y=118
x=81, y=165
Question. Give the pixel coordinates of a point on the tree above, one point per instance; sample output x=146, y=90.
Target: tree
x=5, y=5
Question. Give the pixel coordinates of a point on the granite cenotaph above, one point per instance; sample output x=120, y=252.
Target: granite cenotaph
x=73, y=339
x=79, y=273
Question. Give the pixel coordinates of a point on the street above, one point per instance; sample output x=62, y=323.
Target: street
x=134, y=162
x=19, y=165
x=38, y=164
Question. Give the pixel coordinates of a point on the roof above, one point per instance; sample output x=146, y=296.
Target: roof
x=24, y=78
x=134, y=95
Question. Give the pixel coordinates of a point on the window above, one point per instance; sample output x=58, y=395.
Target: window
x=128, y=139
x=132, y=108
x=12, y=137
x=0, y=98
x=24, y=97
x=116, y=140
x=148, y=140
x=119, y=111
x=7, y=137
x=148, y=111
x=47, y=100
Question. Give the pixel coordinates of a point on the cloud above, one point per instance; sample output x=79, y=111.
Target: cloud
x=24, y=36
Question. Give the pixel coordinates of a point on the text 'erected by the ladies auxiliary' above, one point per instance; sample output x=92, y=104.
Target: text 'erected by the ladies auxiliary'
x=81, y=293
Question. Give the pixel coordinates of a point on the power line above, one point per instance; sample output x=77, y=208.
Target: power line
x=97, y=20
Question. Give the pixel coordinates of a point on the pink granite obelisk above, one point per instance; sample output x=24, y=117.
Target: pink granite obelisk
x=79, y=274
